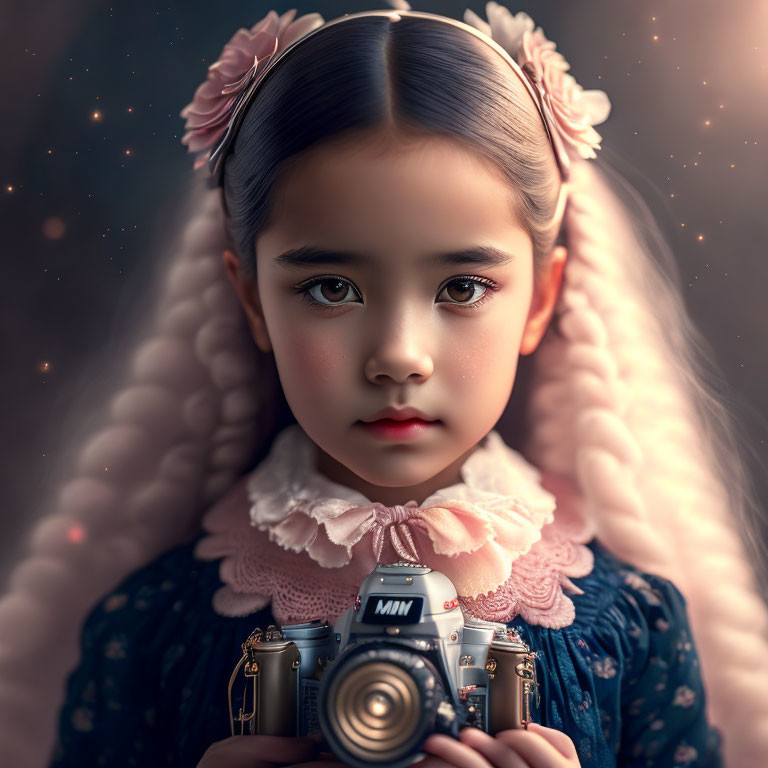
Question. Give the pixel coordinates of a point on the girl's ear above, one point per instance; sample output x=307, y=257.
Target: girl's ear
x=248, y=294
x=546, y=289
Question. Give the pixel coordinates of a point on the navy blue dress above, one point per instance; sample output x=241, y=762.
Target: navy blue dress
x=622, y=681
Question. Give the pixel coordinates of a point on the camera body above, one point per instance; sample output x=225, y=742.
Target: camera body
x=399, y=665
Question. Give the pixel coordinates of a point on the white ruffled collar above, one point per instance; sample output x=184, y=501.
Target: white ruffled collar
x=493, y=533
x=288, y=479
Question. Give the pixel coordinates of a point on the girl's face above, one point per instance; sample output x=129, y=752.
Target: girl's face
x=394, y=274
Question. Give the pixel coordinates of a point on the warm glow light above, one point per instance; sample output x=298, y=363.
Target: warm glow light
x=707, y=122
x=76, y=534
x=54, y=228
x=96, y=115
x=700, y=238
x=9, y=188
x=44, y=366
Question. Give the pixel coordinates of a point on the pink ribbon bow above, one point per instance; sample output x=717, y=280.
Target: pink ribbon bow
x=397, y=521
x=441, y=535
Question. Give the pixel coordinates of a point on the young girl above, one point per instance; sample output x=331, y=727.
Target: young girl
x=417, y=322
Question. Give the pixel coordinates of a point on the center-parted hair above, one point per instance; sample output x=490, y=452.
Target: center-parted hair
x=418, y=77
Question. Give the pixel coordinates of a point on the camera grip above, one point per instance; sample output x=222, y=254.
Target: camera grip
x=271, y=672
x=511, y=680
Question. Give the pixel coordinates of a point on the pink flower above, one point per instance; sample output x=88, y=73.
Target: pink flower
x=684, y=697
x=570, y=111
x=685, y=753
x=605, y=667
x=245, y=57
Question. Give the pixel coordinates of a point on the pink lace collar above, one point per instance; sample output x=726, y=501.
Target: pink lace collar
x=289, y=535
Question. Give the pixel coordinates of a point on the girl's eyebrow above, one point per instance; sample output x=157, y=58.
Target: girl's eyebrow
x=311, y=256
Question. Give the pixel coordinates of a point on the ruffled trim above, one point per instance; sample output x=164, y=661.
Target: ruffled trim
x=535, y=589
x=506, y=558
x=446, y=534
x=255, y=571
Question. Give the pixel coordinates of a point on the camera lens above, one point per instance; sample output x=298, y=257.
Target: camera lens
x=378, y=703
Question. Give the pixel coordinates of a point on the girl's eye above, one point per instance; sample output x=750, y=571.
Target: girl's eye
x=469, y=291
x=323, y=292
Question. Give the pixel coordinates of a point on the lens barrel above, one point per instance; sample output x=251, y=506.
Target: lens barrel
x=379, y=704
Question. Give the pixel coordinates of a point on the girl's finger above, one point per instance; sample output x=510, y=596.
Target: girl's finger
x=430, y=761
x=498, y=753
x=454, y=752
x=257, y=752
x=533, y=748
x=320, y=764
x=328, y=758
x=561, y=741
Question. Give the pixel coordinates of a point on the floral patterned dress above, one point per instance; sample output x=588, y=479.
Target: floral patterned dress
x=622, y=680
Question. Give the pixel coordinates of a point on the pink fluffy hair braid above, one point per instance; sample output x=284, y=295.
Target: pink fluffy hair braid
x=615, y=406
x=195, y=411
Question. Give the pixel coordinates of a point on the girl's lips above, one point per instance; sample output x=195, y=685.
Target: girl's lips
x=389, y=429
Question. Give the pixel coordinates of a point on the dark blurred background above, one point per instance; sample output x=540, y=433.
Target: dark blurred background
x=92, y=172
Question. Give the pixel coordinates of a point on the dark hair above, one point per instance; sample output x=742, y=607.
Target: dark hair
x=414, y=76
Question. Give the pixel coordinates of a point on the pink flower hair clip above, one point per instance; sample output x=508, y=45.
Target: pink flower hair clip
x=569, y=110
x=214, y=109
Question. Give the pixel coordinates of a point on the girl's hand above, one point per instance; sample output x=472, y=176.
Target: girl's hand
x=536, y=747
x=267, y=752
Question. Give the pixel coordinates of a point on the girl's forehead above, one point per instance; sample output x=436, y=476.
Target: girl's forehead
x=427, y=197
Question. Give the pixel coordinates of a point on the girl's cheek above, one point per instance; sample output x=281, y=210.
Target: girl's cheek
x=314, y=361
x=484, y=358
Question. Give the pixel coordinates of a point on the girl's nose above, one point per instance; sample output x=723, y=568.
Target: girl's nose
x=400, y=351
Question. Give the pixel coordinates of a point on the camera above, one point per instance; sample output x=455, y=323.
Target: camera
x=400, y=664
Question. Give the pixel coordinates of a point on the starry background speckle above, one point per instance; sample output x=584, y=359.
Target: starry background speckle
x=92, y=169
